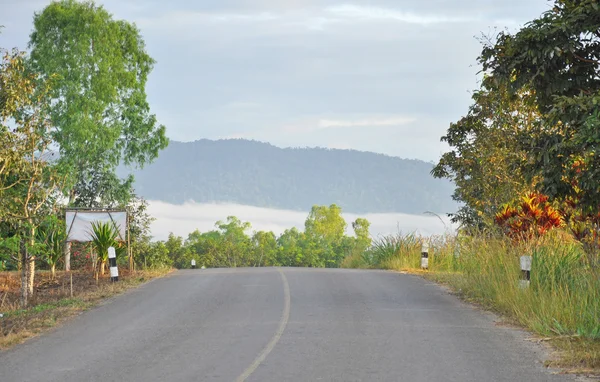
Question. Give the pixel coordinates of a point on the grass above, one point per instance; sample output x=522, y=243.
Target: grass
x=561, y=305
x=18, y=325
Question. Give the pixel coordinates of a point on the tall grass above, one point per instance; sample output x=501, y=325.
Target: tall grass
x=562, y=299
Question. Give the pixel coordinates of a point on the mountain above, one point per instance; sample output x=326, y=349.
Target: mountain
x=259, y=174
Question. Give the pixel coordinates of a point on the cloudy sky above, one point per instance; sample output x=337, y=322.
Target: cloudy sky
x=378, y=75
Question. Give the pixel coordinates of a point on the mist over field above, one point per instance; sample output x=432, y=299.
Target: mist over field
x=181, y=219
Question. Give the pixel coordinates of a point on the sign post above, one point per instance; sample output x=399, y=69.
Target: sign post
x=525, y=271
x=425, y=255
x=112, y=259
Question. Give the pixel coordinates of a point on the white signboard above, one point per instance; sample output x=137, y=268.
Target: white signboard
x=79, y=223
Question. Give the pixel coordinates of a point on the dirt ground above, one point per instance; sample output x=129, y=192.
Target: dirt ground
x=53, y=299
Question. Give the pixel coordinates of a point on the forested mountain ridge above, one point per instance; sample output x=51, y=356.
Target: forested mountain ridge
x=260, y=174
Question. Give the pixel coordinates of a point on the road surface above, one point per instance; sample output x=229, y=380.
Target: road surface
x=278, y=325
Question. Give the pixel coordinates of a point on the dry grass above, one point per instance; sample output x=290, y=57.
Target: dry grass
x=53, y=304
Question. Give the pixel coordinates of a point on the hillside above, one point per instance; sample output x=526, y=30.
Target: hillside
x=259, y=174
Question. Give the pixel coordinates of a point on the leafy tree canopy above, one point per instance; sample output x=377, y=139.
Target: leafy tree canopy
x=99, y=104
x=558, y=55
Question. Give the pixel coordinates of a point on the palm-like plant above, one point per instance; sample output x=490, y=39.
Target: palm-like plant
x=52, y=235
x=104, y=236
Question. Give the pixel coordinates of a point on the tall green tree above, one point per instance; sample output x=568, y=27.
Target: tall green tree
x=291, y=248
x=235, y=244
x=487, y=156
x=178, y=252
x=558, y=56
x=265, y=248
x=324, y=232
x=361, y=231
x=325, y=222
x=28, y=181
x=139, y=228
x=99, y=104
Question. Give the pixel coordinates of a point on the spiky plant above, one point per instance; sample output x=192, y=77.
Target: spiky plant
x=52, y=235
x=104, y=236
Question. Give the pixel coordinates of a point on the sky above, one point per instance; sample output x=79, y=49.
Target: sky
x=387, y=76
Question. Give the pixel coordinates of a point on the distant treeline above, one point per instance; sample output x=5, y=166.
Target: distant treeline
x=323, y=243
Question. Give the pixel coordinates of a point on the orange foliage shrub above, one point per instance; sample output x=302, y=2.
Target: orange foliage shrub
x=532, y=217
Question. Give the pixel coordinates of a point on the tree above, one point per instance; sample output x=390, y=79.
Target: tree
x=177, y=251
x=27, y=179
x=558, y=56
x=235, y=244
x=265, y=248
x=487, y=157
x=361, y=231
x=290, y=248
x=139, y=227
x=99, y=102
x=326, y=223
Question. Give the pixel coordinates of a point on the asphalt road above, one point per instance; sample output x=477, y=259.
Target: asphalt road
x=275, y=325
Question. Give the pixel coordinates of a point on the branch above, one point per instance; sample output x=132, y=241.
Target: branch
x=586, y=59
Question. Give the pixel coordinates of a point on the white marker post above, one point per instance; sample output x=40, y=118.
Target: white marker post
x=193, y=264
x=425, y=255
x=112, y=260
x=525, y=271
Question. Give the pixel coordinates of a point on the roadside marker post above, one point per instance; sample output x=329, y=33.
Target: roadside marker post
x=112, y=260
x=425, y=255
x=525, y=271
x=193, y=264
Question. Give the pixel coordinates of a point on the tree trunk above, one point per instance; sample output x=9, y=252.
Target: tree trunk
x=53, y=271
x=31, y=275
x=31, y=278
x=67, y=253
x=102, y=267
x=24, y=267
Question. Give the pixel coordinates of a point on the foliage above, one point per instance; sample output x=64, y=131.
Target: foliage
x=51, y=234
x=558, y=56
x=99, y=103
x=323, y=245
x=487, y=158
x=532, y=217
x=156, y=256
x=104, y=236
x=139, y=226
x=28, y=181
x=389, y=249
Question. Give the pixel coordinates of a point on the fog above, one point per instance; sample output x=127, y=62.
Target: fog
x=185, y=218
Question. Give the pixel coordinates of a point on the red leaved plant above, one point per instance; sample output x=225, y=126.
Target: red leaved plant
x=533, y=216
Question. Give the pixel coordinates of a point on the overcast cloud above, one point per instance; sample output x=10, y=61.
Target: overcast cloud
x=379, y=75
